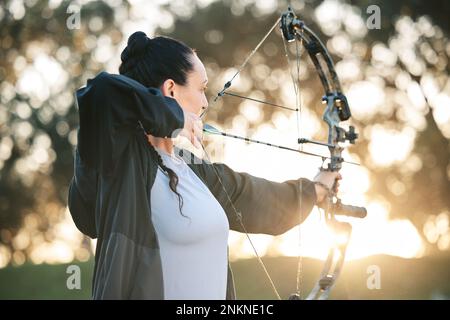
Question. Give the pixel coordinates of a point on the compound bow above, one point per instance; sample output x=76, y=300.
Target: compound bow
x=337, y=110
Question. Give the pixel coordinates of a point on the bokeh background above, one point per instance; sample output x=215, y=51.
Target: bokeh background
x=397, y=82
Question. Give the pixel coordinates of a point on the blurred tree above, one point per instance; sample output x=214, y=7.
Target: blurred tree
x=42, y=63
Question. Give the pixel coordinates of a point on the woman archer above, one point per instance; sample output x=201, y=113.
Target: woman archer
x=162, y=223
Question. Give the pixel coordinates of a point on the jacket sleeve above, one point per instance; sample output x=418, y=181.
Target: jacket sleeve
x=265, y=206
x=82, y=195
x=110, y=108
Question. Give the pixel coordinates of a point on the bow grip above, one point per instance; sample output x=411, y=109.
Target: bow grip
x=348, y=210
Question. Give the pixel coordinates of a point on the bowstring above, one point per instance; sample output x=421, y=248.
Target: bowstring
x=299, y=105
x=254, y=50
x=299, y=134
x=241, y=223
x=241, y=67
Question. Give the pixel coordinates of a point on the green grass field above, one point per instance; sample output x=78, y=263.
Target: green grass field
x=427, y=278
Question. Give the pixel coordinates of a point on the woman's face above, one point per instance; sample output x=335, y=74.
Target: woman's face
x=191, y=96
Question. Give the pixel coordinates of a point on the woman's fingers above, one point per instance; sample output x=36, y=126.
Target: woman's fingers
x=193, y=129
x=330, y=179
x=337, y=177
x=336, y=186
x=197, y=133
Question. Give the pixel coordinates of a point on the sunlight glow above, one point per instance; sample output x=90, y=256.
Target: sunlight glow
x=388, y=146
x=43, y=78
x=366, y=239
x=65, y=246
x=441, y=112
x=366, y=99
x=436, y=230
x=376, y=234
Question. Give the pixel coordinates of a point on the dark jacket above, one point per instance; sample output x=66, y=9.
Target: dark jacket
x=115, y=168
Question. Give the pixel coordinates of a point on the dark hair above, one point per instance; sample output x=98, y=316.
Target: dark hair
x=173, y=181
x=151, y=62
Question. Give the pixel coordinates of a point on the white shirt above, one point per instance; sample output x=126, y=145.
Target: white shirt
x=194, y=248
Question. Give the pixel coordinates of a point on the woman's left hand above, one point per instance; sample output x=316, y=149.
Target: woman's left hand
x=327, y=181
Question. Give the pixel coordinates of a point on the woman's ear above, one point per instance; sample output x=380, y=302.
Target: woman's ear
x=168, y=88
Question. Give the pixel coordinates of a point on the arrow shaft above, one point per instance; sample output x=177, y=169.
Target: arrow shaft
x=229, y=135
x=267, y=144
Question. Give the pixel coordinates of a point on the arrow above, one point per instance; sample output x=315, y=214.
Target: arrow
x=209, y=129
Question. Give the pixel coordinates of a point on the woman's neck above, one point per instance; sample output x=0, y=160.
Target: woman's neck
x=165, y=144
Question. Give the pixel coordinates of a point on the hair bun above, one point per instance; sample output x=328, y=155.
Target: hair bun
x=136, y=46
